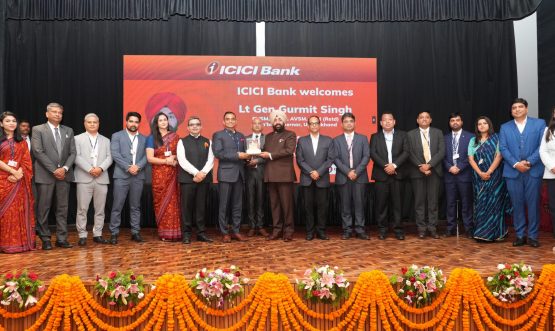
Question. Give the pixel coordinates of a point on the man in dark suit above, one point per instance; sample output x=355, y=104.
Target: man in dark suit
x=352, y=157
x=315, y=155
x=519, y=143
x=389, y=151
x=195, y=157
x=54, y=153
x=458, y=176
x=426, y=153
x=128, y=152
x=228, y=146
x=279, y=173
x=256, y=190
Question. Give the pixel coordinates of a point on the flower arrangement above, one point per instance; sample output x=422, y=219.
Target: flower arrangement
x=218, y=285
x=121, y=288
x=419, y=286
x=511, y=282
x=21, y=288
x=324, y=284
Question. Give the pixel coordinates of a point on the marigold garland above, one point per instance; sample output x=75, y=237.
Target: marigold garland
x=67, y=303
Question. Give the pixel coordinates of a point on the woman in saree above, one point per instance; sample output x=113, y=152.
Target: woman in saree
x=161, y=151
x=491, y=199
x=17, y=216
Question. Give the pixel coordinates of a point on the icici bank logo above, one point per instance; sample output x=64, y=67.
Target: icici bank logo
x=212, y=67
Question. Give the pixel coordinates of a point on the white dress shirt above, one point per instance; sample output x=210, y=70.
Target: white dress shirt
x=134, y=140
x=314, y=142
x=389, y=144
x=52, y=128
x=521, y=126
x=187, y=166
x=93, y=140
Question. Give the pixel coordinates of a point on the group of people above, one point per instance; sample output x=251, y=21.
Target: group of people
x=490, y=175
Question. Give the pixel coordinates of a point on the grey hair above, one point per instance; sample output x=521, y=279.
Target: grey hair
x=91, y=115
x=54, y=105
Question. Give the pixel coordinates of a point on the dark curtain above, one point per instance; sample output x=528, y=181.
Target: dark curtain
x=80, y=65
x=441, y=67
x=546, y=58
x=274, y=10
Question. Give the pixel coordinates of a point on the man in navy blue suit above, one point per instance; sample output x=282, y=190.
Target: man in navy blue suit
x=458, y=176
x=519, y=144
x=228, y=146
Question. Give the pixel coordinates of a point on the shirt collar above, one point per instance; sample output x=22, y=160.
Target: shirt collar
x=52, y=127
x=388, y=133
x=523, y=123
x=131, y=134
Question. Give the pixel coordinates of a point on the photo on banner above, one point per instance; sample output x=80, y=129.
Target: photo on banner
x=249, y=86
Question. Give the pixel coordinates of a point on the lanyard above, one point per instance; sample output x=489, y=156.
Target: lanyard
x=95, y=142
x=455, y=143
x=133, y=141
x=12, y=148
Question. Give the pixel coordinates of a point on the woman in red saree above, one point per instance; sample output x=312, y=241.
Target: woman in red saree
x=161, y=151
x=17, y=216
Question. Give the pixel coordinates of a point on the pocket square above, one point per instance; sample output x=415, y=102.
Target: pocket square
x=281, y=140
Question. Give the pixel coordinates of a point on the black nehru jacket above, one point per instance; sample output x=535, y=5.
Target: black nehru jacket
x=196, y=152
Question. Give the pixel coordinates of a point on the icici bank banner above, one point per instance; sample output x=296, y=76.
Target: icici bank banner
x=208, y=86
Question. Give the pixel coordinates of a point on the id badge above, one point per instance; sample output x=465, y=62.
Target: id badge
x=481, y=161
x=168, y=153
x=455, y=156
x=12, y=163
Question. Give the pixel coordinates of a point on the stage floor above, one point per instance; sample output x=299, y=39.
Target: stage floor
x=256, y=256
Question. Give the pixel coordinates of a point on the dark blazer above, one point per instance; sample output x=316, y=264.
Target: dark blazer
x=510, y=146
x=416, y=152
x=321, y=162
x=46, y=158
x=465, y=174
x=399, y=154
x=225, y=149
x=361, y=157
x=280, y=168
x=120, y=146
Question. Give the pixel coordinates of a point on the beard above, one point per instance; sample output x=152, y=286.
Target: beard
x=278, y=127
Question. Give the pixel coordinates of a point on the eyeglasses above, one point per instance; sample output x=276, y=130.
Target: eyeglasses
x=194, y=124
x=314, y=123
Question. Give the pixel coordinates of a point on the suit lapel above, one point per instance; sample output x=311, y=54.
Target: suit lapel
x=50, y=135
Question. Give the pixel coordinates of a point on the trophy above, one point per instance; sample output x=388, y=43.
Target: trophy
x=253, y=146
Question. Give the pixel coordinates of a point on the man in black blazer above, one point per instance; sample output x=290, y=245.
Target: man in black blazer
x=352, y=157
x=256, y=190
x=426, y=153
x=389, y=151
x=315, y=155
x=458, y=176
x=228, y=146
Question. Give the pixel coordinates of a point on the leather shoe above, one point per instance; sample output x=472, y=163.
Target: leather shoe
x=100, y=240
x=434, y=235
x=519, y=242
x=287, y=239
x=238, y=237
x=363, y=236
x=204, y=238
x=82, y=242
x=448, y=234
x=137, y=237
x=63, y=244
x=274, y=236
x=113, y=239
x=226, y=238
x=534, y=243
x=186, y=240
x=251, y=233
x=46, y=245
x=263, y=232
x=381, y=236
x=400, y=236
x=322, y=236
x=469, y=235
x=345, y=236
x=421, y=235
x=309, y=236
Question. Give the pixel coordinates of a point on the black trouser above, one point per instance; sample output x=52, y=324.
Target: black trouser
x=315, y=197
x=193, y=206
x=255, y=198
x=551, y=191
x=388, y=193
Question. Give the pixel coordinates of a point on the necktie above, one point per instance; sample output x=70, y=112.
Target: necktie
x=58, y=141
x=455, y=147
x=426, y=147
x=350, y=147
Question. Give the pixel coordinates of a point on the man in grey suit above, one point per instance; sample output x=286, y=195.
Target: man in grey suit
x=426, y=153
x=91, y=175
x=315, y=155
x=352, y=157
x=128, y=152
x=228, y=146
x=256, y=190
x=54, y=153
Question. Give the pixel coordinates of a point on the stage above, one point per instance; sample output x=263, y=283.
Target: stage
x=154, y=257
